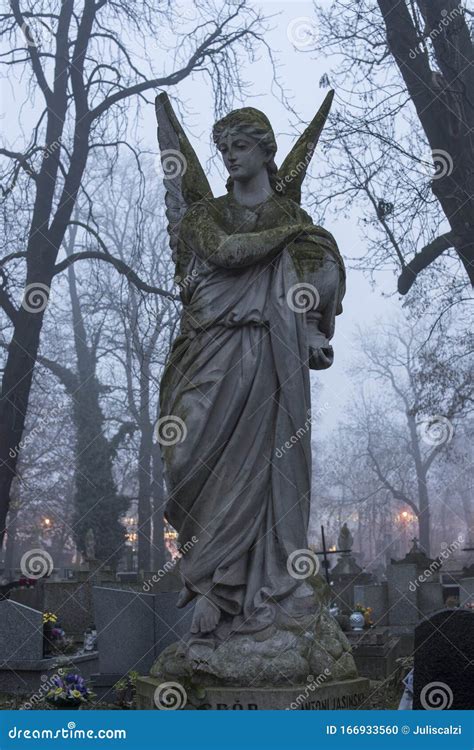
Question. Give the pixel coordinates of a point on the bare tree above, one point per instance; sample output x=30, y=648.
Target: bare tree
x=405, y=76
x=74, y=55
x=136, y=336
x=399, y=428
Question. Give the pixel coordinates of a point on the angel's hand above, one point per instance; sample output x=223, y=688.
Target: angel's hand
x=239, y=250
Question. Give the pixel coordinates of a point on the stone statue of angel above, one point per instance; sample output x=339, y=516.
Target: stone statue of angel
x=260, y=286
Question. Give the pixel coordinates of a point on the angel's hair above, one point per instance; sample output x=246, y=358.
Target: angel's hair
x=255, y=124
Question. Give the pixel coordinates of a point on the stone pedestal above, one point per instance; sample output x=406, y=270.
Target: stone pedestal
x=294, y=663
x=315, y=695
x=375, y=652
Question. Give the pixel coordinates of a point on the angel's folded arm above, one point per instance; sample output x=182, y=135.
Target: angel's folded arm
x=201, y=234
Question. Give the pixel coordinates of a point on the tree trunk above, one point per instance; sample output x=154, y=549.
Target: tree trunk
x=16, y=386
x=424, y=524
x=97, y=504
x=442, y=103
x=9, y=562
x=158, y=496
x=144, y=495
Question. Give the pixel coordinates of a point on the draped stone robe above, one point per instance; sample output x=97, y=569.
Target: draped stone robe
x=238, y=377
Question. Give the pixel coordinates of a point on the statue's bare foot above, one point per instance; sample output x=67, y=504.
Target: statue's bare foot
x=185, y=596
x=206, y=616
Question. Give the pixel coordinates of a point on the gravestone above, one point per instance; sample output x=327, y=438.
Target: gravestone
x=414, y=592
x=71, y=601
x=133, y=628
x=375, y=596
x=444, y=661
x=402, y=599
x=127, y=576
x=345, y=576
x=375, y=652
x=125, y=623
x=430, y=597
x=21, y=633
x=31, y=597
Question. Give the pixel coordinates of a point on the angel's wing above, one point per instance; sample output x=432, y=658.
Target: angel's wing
x=183, y=177
x=293, y=170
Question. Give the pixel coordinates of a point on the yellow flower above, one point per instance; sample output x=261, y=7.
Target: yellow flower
x=49, y=617
x=76, y=694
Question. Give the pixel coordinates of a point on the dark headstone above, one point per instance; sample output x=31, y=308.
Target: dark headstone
x=133, y=627
x=444, y=661
x=125, y=623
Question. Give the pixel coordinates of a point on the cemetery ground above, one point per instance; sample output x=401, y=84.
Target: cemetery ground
x=396, y=622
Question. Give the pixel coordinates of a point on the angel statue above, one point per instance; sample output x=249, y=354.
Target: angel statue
x=260, y=286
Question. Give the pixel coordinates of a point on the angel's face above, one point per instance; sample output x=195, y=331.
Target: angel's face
x=243, y=156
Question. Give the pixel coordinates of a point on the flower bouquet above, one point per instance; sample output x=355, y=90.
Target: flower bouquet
x=367, y=613
x=49, y=622
x=70, y=691
x=55, y=639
